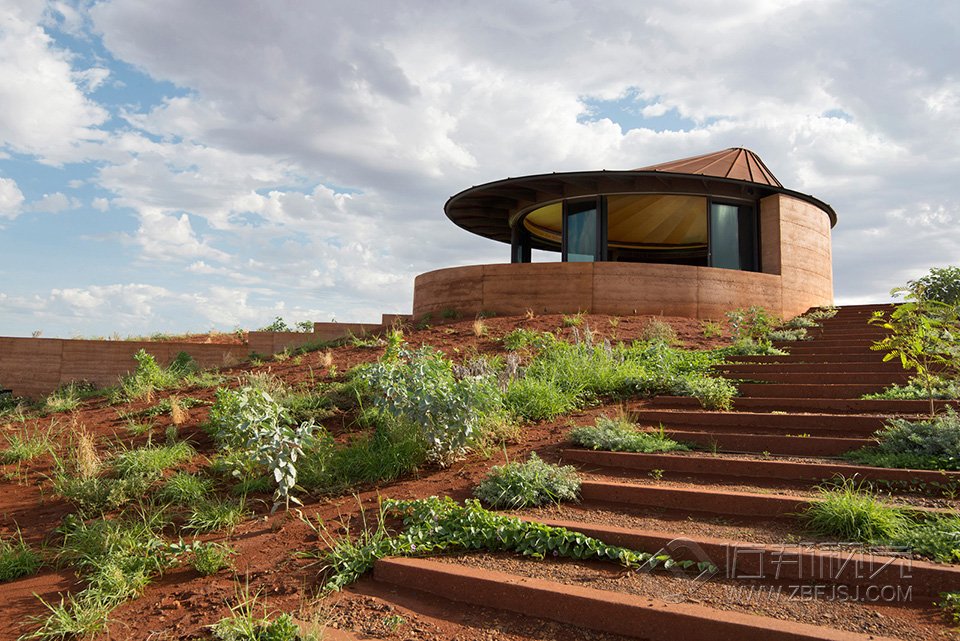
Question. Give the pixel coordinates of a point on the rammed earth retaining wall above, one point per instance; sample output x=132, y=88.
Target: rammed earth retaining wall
x=33, y=367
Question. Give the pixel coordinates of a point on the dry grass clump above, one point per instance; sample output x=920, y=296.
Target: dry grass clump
x=479, y=328
x=179, y=414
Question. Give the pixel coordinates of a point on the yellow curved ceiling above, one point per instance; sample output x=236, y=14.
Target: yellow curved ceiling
x=648, y=221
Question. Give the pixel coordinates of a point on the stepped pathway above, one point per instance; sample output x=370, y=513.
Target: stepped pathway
x=733, y=502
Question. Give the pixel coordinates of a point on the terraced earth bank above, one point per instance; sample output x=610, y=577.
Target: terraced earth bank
x=732, y=502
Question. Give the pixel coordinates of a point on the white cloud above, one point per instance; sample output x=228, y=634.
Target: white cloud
x=44, y=111
x=165, y=237
x=53, y=203
x=307, y=154
x=11, y=198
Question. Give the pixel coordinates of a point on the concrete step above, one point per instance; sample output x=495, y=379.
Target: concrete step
x=750, y=421
x=810, y=405
x=883, y=379
x=780, y=562
x=718, y=465
x=773, y=443
x=600, y=610
x=698, y=499
x=791, y=390
x=816, y=368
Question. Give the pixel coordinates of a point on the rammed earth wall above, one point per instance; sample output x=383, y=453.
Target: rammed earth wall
x=33, y=367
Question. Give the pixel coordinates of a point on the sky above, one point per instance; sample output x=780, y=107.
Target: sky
x=186, y=166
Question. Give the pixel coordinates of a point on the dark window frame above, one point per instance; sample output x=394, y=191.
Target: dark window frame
x=754, y=228
x=600, y=233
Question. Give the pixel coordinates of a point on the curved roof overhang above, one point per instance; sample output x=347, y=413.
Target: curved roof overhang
x=489, y=209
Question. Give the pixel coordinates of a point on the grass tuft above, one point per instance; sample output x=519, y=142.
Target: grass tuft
x=850, y=512
x=17, y=559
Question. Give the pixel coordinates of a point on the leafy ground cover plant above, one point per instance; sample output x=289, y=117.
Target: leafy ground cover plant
x=850, y=512
x=936, y=538
x=435, y=525
x=205, y=558
x=931, y=444
x=950, y=604
x=620, y=435
x=918, y=389
x=17, y=559
x=535, y=482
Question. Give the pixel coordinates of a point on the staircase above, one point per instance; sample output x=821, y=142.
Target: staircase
x=733, y=503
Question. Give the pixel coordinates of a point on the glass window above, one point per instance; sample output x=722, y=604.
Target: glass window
x=724, y=236
x=581, y=232
x=732, y=237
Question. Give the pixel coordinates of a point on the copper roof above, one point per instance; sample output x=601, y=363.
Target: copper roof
x=736, y=163
x=735, y=174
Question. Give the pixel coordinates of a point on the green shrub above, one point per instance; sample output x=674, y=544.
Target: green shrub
x=821, y=313
x=714, y=393
x=932, y=444
x=922, y=333
x=149, y=377
x=262, y=436
x=419, y=386
x=789, y=334
x=753, y=324
x=750, y=347
x=850, y=512
x=657, y=329
x=942, y=284
x=17, y=559
x=519, y=485
x=801, y=322
x=620, y=435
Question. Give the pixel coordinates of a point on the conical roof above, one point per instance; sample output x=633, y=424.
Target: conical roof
x=737, y=163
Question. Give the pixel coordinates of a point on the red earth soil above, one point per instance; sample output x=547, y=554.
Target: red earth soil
x=182, y=604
